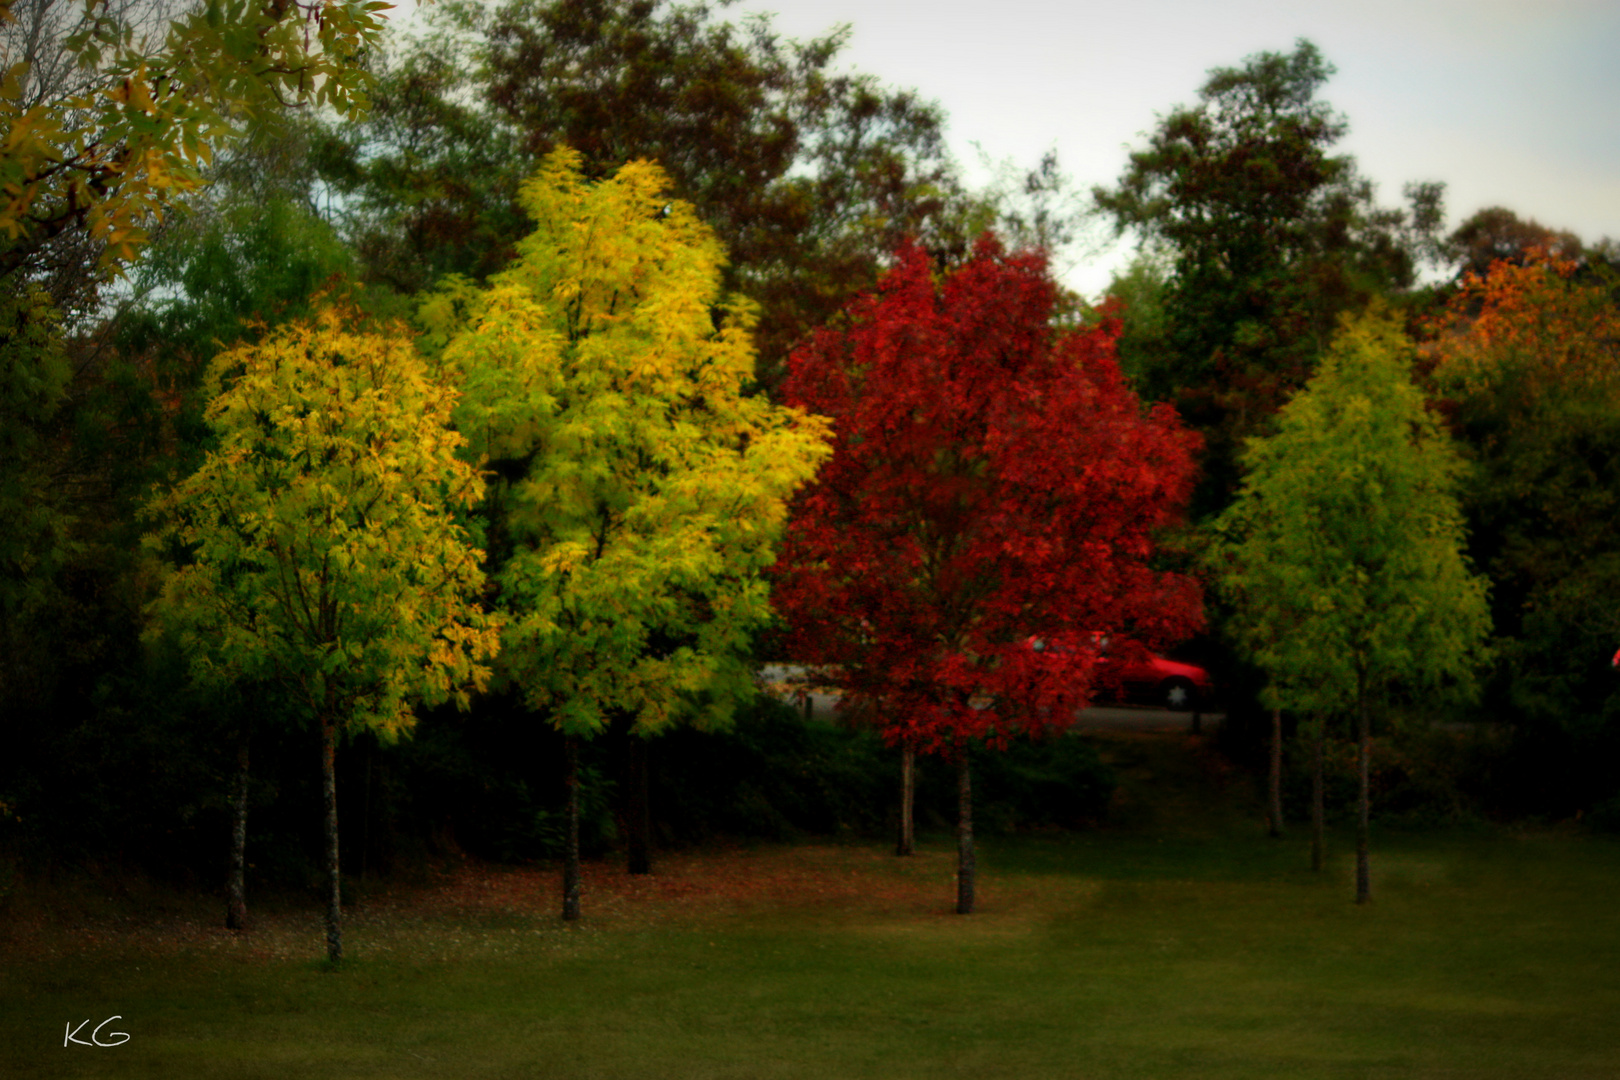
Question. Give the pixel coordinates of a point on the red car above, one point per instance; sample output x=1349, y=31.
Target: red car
x=1168, y=684
x=1150, y=679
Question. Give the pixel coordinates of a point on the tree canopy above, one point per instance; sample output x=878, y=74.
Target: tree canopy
x=320, y=546
x=641, y=490
x=1344, y=548
x=1270, y=235
x=1527, y=359
x=112, y=113
x=809, y=177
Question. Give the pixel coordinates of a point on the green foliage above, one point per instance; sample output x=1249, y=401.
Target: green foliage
x=808, y=176
x=34, y=378
x=1144, y=341
x=319, y=544
x=1272, y=237
x=224, y=271
x=642, y=490
x=1528, y=358
x=1343, y=551
x=429, y=177
x=774, y=776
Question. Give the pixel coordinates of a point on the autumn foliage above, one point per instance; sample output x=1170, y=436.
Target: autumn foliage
x=993, y=481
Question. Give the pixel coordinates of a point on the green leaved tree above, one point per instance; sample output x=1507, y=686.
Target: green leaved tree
x=34, y=379
x=1529, y=357
x=1269, y=235
x=320, y=546
x=641, y=490
x=1344, y=550
x=808, y=174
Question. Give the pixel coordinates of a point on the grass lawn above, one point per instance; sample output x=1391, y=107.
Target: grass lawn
x=1177, y=942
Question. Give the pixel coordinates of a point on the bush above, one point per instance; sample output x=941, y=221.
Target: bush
x=776, y=776
x=1416, y=779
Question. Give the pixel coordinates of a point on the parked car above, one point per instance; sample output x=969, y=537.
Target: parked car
x=1149, y=679
x=1168, y=684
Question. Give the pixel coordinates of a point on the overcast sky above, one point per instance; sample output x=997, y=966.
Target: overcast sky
x=1509, y=102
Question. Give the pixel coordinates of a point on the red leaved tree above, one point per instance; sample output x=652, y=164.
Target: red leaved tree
x=988, y=511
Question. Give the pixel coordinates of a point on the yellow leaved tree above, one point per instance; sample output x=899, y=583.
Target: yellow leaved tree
x=642, y=489
x=111, y=109
x=320, y=546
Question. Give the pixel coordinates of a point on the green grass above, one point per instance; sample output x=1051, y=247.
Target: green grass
x=1176, y=943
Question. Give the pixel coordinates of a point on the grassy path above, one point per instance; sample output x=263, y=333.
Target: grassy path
x=1152, y=949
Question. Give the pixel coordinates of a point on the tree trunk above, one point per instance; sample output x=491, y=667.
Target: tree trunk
x=964, y=834
x=1318, y=812
x=638, y=820
x=1274, y=792
x=365, y=814
x=236, y=884
x=570, y=906
x=907, y=841
x=334, y=895
x=1363, y=799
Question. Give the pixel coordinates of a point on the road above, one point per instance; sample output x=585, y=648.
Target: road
x=818, y=705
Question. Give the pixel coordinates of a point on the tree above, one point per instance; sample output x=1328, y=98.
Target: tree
x=1497, y=233
x=319, y=544
x=34, y=380
x=1527, y=359
x=1344, y=549
x=993, y=480
x=640, y=490
x=1271, y=236
x=113, y=113
x=808, y=177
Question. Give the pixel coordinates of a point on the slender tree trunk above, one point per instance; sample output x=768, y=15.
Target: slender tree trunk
x=638, y=820
x=1274, y=792
x=1363, y=798
x=334, y=895
x=964, y=833
x=1318, y=811
x=906, y=844
x=365, y=814
x=570, y=906
x=236, y=885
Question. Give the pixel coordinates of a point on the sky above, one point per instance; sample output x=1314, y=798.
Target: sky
x=1511, y=103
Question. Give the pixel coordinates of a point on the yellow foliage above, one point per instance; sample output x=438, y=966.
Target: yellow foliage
x=325, y=550
x=607, y=364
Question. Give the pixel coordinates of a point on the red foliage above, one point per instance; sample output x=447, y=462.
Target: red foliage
x=992, y=480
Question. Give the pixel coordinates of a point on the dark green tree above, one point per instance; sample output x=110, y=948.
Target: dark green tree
x=34, y=379
x=1270, y=235
x=1528, y=358
x=1498, y=233
x=808, y=177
